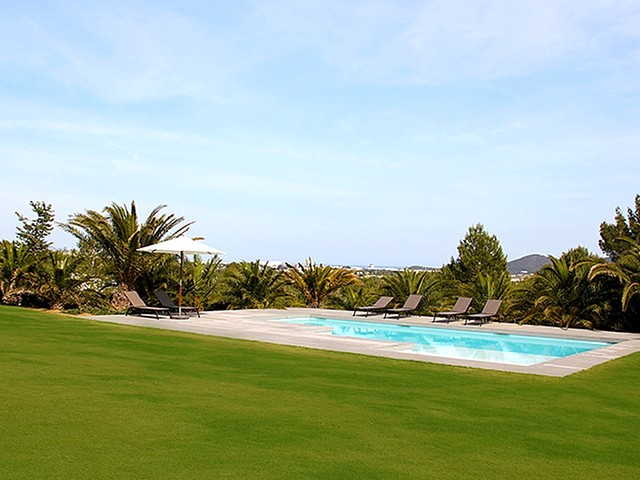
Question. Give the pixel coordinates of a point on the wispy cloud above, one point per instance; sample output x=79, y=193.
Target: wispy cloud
x=441, y=41
x=143, y=52
x=124, y=52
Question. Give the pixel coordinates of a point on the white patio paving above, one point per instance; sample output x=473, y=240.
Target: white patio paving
x=258, y=325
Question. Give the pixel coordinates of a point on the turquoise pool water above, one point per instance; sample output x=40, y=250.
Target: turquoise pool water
x=450, y=343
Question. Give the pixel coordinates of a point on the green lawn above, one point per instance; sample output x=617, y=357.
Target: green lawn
x=81, y=399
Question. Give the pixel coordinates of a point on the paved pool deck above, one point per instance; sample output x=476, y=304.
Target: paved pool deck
x=259, y=325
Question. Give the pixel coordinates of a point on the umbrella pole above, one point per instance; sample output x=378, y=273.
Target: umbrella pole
x=180, y=287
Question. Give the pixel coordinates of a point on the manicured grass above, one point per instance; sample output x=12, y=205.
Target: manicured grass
x=80, y=399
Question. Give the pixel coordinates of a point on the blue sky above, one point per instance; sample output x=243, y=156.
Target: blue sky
x=354, y=132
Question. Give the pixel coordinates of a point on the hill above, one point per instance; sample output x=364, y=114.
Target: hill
x=527, y=264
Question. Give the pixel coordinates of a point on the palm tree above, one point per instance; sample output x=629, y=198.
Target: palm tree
x=406, y=282
x=563, y=294
x=254, y=285
x=16, y=261
x=201, y=280
x=116, y=234
x=316, y=282
x=626, y=270
x=63, y=285
x=358, y=295
x=349, y=298
x=487, y=286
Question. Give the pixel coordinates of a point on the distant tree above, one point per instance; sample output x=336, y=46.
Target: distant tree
x=116, y=234
x=24, y=262
x=478, y=254
x=612, y=235
x=34, y=233
x=316, y=282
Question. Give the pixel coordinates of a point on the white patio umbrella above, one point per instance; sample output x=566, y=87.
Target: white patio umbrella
x=181, y=246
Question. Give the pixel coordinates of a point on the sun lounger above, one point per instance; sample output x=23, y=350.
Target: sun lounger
x=460, y=308
x=139, y=307
x=378, y=307
x=409, y=306
x=490, y=310
x=165, y=301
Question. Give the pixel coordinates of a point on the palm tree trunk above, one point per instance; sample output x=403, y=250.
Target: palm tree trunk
x=119, y=300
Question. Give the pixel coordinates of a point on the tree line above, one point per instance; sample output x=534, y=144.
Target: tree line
x=577, y=289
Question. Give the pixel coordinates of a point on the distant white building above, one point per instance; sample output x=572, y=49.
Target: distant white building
x=277, y=264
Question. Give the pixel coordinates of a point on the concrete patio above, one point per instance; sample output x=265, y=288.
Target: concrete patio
x=259, y=325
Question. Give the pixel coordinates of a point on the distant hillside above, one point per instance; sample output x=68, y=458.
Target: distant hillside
x=527, y=264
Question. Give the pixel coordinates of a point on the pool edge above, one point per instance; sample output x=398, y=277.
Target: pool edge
x=251, y=325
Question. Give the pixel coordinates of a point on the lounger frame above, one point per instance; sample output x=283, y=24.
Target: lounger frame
x=459, y=309
x=137, y=306
x=407, y=309
x=165, y=300
x=490, y=310
x=376, y=308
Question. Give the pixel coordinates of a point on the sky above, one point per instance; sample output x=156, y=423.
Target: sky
x=353, y=132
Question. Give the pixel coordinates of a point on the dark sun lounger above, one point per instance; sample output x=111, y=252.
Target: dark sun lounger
x=378, y=307
x=139, y=307
x=490, y=310
x=165, y=301
x=409, y=306
x=460, y=308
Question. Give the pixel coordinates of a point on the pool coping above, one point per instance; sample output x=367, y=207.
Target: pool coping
x=258, y=325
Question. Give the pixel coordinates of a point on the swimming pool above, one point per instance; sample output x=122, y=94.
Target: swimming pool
x=470, y=345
